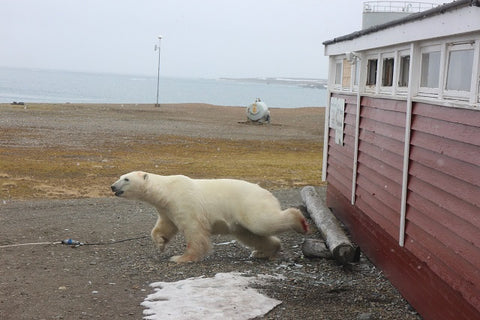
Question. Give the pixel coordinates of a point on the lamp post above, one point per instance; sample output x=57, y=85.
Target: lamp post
x=158, y=72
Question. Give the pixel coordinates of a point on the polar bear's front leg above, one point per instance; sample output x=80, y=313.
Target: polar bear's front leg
x=198, y=245
x=163, y=231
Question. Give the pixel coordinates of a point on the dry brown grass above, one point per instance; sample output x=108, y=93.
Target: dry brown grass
x=63, y=173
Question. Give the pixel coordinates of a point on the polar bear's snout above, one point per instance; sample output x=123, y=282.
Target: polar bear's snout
x=118, y=187
x=118, y=192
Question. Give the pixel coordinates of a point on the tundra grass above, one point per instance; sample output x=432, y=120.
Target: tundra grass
x=62, y=173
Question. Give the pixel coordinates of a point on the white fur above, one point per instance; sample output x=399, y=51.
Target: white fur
x=199, y=208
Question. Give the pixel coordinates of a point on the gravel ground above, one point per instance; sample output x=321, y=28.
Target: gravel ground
x=109, y=281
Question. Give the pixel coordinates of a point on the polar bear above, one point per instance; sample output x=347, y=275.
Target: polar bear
x=199, y=208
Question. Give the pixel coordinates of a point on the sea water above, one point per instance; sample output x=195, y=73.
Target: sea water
x=47, y=86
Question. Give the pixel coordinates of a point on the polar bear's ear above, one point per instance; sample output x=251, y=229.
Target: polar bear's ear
x=145, y=176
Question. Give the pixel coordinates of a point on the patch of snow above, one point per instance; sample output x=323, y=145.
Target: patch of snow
x=225, y=243
x=226, y=296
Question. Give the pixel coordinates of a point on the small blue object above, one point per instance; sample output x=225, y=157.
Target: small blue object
x=72, y=242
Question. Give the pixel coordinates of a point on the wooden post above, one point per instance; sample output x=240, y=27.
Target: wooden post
x=337, y=241
x=315, y=248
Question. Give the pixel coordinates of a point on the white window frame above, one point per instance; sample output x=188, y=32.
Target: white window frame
x=349, y=85
x=356, y=72
x=462, y=99
x=427, y=91
x=338, y=86
x=458, y=94
x=368, y=87
x=475, y=90
x=383, y=56
x=401, y=90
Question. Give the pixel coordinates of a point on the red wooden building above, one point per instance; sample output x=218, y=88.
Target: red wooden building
x=402, y=152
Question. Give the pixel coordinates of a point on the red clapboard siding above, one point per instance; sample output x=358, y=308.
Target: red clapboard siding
x=466, y=251
x=350, y=112
x=384, y=130
x=379, y=140
x=378, y=212
x=445, y=129
x=349, y=99
x=348, y=132
x=345, y=191
x=462, y=116
x=384, y=116
x=386, y=104
x=438, y=270
x=348, y=143
x=380, y=161
x=389, y=186
x=460, y=227
x=460, y=189
x=461, y=275
x=424, y=289
x=362, y=203
x=443, y=220
x=379, y=152
x=341, y=175
x=383, y=169
x=463, y=170
x=341, y=162
x=377, y=195
x=460, y=209
x=446, y=147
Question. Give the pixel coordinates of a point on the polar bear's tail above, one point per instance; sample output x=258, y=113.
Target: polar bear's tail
x=296, y=219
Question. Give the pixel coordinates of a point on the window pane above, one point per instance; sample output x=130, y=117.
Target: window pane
x=338, y=73
x=459, y=74
x=372, y=72
x=430, y=69
x=357, y=72
x=404, y=71
x=387, y=77
x=347, y=73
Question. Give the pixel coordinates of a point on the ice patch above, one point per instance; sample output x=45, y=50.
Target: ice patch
x=226, y=296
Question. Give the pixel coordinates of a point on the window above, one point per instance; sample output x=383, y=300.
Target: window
x=347, y=74
x=404, y=71
x=338, y=73
x=371, y=72
x=430, y=71
x=387, y=72
x=459, y=69
x=357, y=73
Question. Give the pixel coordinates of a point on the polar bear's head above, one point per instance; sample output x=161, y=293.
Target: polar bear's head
x=130, y=185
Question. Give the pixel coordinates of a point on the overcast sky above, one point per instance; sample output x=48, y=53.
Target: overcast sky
x=201, y=38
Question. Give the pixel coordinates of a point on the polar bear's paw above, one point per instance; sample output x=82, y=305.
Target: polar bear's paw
x=160, y=241
x=259, y=255
x=266, y=254
x=183, y=259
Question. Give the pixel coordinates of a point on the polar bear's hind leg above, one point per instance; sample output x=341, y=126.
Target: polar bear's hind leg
x=263, y=246
x=277, y=222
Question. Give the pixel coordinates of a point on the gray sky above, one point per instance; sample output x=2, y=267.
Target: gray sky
x=201, y=38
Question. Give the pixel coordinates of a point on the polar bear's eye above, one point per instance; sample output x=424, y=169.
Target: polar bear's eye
x=126, y=179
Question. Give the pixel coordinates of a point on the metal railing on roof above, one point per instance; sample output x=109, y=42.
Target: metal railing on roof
x=397, y=6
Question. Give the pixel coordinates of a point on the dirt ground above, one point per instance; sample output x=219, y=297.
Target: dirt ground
x=58, y=161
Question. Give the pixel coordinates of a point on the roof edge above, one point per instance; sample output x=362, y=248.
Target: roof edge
x=415, y=16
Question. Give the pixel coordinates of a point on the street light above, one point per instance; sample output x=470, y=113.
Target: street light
x=158, y=72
